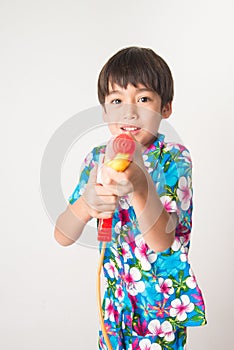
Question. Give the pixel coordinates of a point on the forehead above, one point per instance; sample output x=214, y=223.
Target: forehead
x=114, y=87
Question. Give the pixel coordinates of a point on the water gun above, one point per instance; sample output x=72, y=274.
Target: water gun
x=119, y=154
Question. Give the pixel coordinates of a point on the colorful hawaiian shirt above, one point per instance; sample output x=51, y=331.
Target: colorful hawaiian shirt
x=150, y=298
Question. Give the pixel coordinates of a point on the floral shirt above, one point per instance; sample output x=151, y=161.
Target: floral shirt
x=150, y=298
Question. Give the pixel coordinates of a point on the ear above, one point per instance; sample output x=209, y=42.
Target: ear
x=166, y=110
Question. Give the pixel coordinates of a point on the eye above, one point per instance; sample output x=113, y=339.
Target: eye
x=144, y=99
x=116, y=101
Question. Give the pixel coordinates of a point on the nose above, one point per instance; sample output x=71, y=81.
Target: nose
x=130, y=112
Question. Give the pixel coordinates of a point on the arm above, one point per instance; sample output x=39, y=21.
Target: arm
x=96, y=202
x=175, y=190
x=71, y=222
x=156, y=224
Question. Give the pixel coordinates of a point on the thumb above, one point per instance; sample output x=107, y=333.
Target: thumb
x=93, y=174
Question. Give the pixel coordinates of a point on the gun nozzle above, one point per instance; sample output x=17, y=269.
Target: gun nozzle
x=118, y=164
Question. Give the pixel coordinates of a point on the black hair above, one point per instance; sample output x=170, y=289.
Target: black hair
x=137, y=65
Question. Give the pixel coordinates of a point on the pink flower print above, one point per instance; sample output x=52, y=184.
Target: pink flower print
x=199, y=298
x=161, y=312
x=132, y=278
x=176, y=246
x=168, y=331
x=118, y=227
x=134, y=345
x=126, y=251
x=102, y=345
x=130, y=239
x=187, y=156
x=141, y=328
x=124, y=216
x=155, y=328
x=133, y=299
x=119, y=308
x=162, y=330
x=160, y=308
x=183, y=233
x=147, y=163
x=180, y=308
x=165, y=287
x=168, y=203
x=119, y=293
x=191, y=281
x=88, y=159
x=171, y=145
x=156, y=347
x=153, y=148
x=128, y=320
x=111, y=269
x=184, y=192
x=109, y=310
x=184, y=254
x=145, y=344
x=142, y=253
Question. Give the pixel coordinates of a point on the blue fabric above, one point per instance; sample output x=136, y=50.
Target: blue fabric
x=150, y=298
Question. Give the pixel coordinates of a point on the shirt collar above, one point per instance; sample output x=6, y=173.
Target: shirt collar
x=158, y=143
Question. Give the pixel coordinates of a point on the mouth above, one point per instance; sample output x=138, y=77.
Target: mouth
x=130, y=128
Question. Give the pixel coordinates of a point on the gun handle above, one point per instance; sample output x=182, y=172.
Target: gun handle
x=105, y=230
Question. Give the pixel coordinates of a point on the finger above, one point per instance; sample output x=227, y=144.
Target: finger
x=105, y=175
x=110, y=175
x=93, y=174
x=105, y=196
x=103, y=191
x=104, y=207
x=108, y=200
x=101, y=205
x=104, y=215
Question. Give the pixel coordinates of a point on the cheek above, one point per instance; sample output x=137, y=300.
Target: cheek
x=114, y=128
x=151, y=120
x=156, y=122
x=113, y=113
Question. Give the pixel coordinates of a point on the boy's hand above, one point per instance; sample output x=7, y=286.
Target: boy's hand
x=101, y=202
x=132, y=180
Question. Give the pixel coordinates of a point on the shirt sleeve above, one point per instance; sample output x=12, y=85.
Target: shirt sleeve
x=176, y=186
x=86, y=167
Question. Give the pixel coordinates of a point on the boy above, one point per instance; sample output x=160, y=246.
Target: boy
x=151, y=294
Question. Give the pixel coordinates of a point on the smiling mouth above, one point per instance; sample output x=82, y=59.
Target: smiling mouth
x=130, y=128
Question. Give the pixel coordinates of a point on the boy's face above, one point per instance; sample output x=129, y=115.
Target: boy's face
x=135, y=109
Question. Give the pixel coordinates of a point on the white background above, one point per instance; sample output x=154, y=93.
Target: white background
x=51, y=54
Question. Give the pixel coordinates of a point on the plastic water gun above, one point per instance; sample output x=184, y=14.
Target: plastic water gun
x=119, y=154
